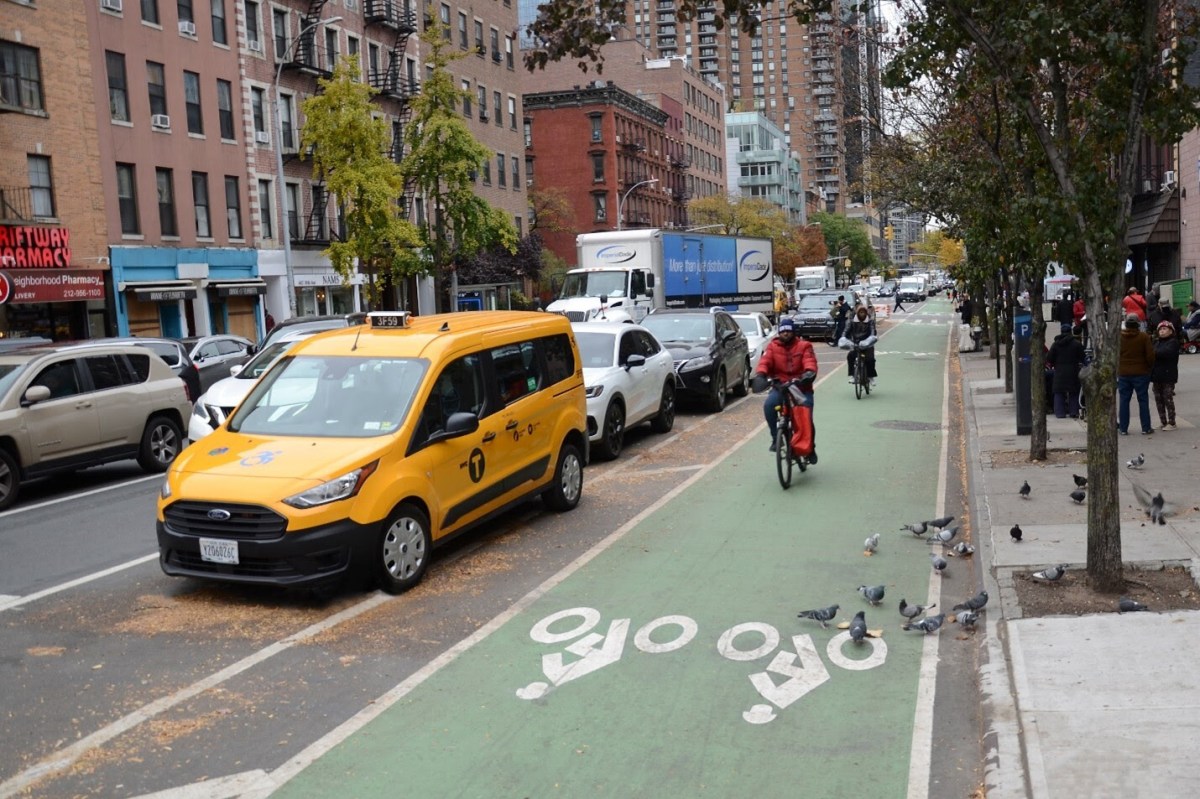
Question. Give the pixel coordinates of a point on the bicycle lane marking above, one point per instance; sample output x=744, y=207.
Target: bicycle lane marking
x=647, y=671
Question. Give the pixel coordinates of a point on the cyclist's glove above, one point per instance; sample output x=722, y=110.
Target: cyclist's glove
x=759, y=384
x=806, y=380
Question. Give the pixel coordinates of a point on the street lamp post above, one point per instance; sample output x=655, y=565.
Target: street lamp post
x=621, y=203
x=285, y=227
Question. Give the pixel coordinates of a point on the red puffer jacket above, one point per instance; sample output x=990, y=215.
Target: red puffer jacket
x=786, y=362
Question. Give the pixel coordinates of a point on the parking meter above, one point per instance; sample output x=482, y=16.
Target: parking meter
x=1022, y=382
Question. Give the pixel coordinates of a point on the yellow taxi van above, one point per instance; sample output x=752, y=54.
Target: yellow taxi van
x=363, y=448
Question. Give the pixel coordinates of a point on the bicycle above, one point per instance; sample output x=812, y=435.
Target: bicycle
x=785, y=458
x=862, y=383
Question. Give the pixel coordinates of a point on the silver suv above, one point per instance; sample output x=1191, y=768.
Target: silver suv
x=75, y=405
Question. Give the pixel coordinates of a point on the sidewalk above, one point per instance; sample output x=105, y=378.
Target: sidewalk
x=1105, y=705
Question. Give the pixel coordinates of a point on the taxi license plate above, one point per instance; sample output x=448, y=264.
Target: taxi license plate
x=219, y=550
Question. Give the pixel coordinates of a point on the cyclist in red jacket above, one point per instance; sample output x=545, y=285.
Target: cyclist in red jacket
x=785, y=358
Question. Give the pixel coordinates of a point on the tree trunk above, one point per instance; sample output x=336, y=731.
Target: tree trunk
x=1037, y=352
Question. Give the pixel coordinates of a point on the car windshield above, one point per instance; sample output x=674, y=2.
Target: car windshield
x=679, y=329
x=596, y=349
x=331, y=396
x=815, y=302
x=265, y=357
x=8, y=375
x=593, y=284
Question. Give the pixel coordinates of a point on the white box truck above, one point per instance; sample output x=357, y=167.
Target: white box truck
x=811, y=279
x=633, y=271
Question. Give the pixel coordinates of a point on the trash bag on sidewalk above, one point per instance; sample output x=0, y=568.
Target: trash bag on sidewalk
x=966, y=342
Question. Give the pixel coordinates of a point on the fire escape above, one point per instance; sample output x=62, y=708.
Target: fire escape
x=397, y=82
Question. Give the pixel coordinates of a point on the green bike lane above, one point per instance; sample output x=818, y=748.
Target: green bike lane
x=668, y=661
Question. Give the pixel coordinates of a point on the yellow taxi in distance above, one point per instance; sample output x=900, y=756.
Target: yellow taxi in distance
x=362, y=448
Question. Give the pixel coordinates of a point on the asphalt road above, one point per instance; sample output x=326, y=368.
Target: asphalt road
x=133, y=683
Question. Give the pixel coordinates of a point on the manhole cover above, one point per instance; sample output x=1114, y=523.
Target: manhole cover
x=902, y=424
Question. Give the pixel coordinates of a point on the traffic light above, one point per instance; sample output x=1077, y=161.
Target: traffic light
x=888, y=233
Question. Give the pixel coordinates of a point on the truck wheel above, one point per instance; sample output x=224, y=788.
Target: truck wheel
x=716, y=402
x=10, y=479
x=403, y=549
x=665, y=419
x=161, y=442
x=567, y=487
x=742, y=389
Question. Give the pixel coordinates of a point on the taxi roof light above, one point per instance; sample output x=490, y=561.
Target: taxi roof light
x=389, y=319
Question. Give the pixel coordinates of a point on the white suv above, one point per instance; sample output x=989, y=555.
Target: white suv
x=68, y=406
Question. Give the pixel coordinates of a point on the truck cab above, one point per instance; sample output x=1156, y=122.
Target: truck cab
x=600, y=294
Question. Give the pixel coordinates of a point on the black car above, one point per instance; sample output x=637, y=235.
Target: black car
x=175, y=353
x=813, y=319
x=710, y=352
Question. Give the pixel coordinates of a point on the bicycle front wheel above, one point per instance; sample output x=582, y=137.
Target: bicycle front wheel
x=783, y=451
x=858, y=377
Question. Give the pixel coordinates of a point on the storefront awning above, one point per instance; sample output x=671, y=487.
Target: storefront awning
x=160, y=290
x=239, y=288
x=1154, y=220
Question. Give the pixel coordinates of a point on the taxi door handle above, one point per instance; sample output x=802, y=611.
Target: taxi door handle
x=488, y=437
x=511, y=425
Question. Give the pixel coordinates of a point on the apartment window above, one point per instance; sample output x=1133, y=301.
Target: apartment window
x=487, y=172
x=118, y=92
x=464, y=40
x=518, y=222
x=498, y=109
x=331, y=46
x=191, y=97
x=479, y=37
x=481, y=95
x=529, y=170
x=185, y=11
x=264, y=208
x=501, y=178
x=600, y=207
x=257, y=102
x=279, y=32
x=286, y=111
x=156, y=84
x=597, y=130
x=233, y=207
x=225, y=108
x=41, y=186
x=220, y=34
x=528, y=133
x=597, y=167
x=127, y=199
x=512, y=112
x=291, y=196
x=352, y=51
x=150, y=11
x=515, y=163
x=20, y=77
x=466, y=87
x=165, y=186
x=445, y=17
x=253, y=30
x=508, y=52
x=200, y=205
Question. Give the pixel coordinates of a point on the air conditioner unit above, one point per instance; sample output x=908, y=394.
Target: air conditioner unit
x=254, y=46
x=262, y=137
x=110, y=5
x=618, y=139
x=160, y=121
x=1168, y=178
x=187, y=28
x=483, y=117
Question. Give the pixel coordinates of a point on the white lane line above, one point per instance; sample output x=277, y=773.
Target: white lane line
x=72, y=497
x=10, y=602
x=920, y=757
x=67, y=756
x=226, y=787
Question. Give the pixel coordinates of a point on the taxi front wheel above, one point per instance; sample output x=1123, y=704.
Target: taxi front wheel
x=564, y=492
x=404, y=548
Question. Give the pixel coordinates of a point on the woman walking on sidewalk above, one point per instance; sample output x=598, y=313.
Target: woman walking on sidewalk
x=1133, y=374
x=1165, y=373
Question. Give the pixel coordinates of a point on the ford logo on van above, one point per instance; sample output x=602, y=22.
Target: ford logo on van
x=615, y=254
x=219, y=515
x=756, y=265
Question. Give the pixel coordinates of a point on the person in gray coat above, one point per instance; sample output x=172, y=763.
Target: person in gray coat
x=1165, y=373
x=1066, y=356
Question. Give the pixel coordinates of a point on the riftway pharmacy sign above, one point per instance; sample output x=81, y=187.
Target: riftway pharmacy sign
x=34, y=247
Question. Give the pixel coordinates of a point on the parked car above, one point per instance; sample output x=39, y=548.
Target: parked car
x=710, y=352
x=215, y=355
x=812, y=317
x=175, y=353
x=313, y=324
x=212, y=408
x=69, y=406
x=759, y=332
x=629, y=379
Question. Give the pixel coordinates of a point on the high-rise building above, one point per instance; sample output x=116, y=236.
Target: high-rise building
x=759, y=166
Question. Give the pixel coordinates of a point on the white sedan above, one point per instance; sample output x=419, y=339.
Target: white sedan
x=759, y=332
x=630, y=379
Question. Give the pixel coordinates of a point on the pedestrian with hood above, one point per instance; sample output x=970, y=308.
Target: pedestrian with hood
x=1165, y=373
x=1066, y=356
x=1133, y=374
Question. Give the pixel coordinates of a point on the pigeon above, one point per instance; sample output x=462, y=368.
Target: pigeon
x=1080, y=482
x=1136, y=463
x=1127, y=605
x=822, y=615
x=1016, y=533
x=927, y=625
x=916, y=528
x=1025, y=489
x=1051, y=574
x=940, y=523
x=944, y=536
x=870, y=545
x=858, y=627
x=873, y=593
x=974, y=603
x=1156, y=507
x=966, y=619
x=1079, y=495
x=963, y=548
x=939, y=563
x=912, y=611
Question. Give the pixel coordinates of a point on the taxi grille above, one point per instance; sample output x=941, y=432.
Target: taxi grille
x=245, y=522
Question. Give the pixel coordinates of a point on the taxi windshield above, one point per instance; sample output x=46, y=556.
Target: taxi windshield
x=331, y=396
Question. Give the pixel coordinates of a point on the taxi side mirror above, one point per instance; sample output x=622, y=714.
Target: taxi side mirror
x=459, y=424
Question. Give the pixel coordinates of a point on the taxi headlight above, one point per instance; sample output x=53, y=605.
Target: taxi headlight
x=338, y=488
x=164, y=491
